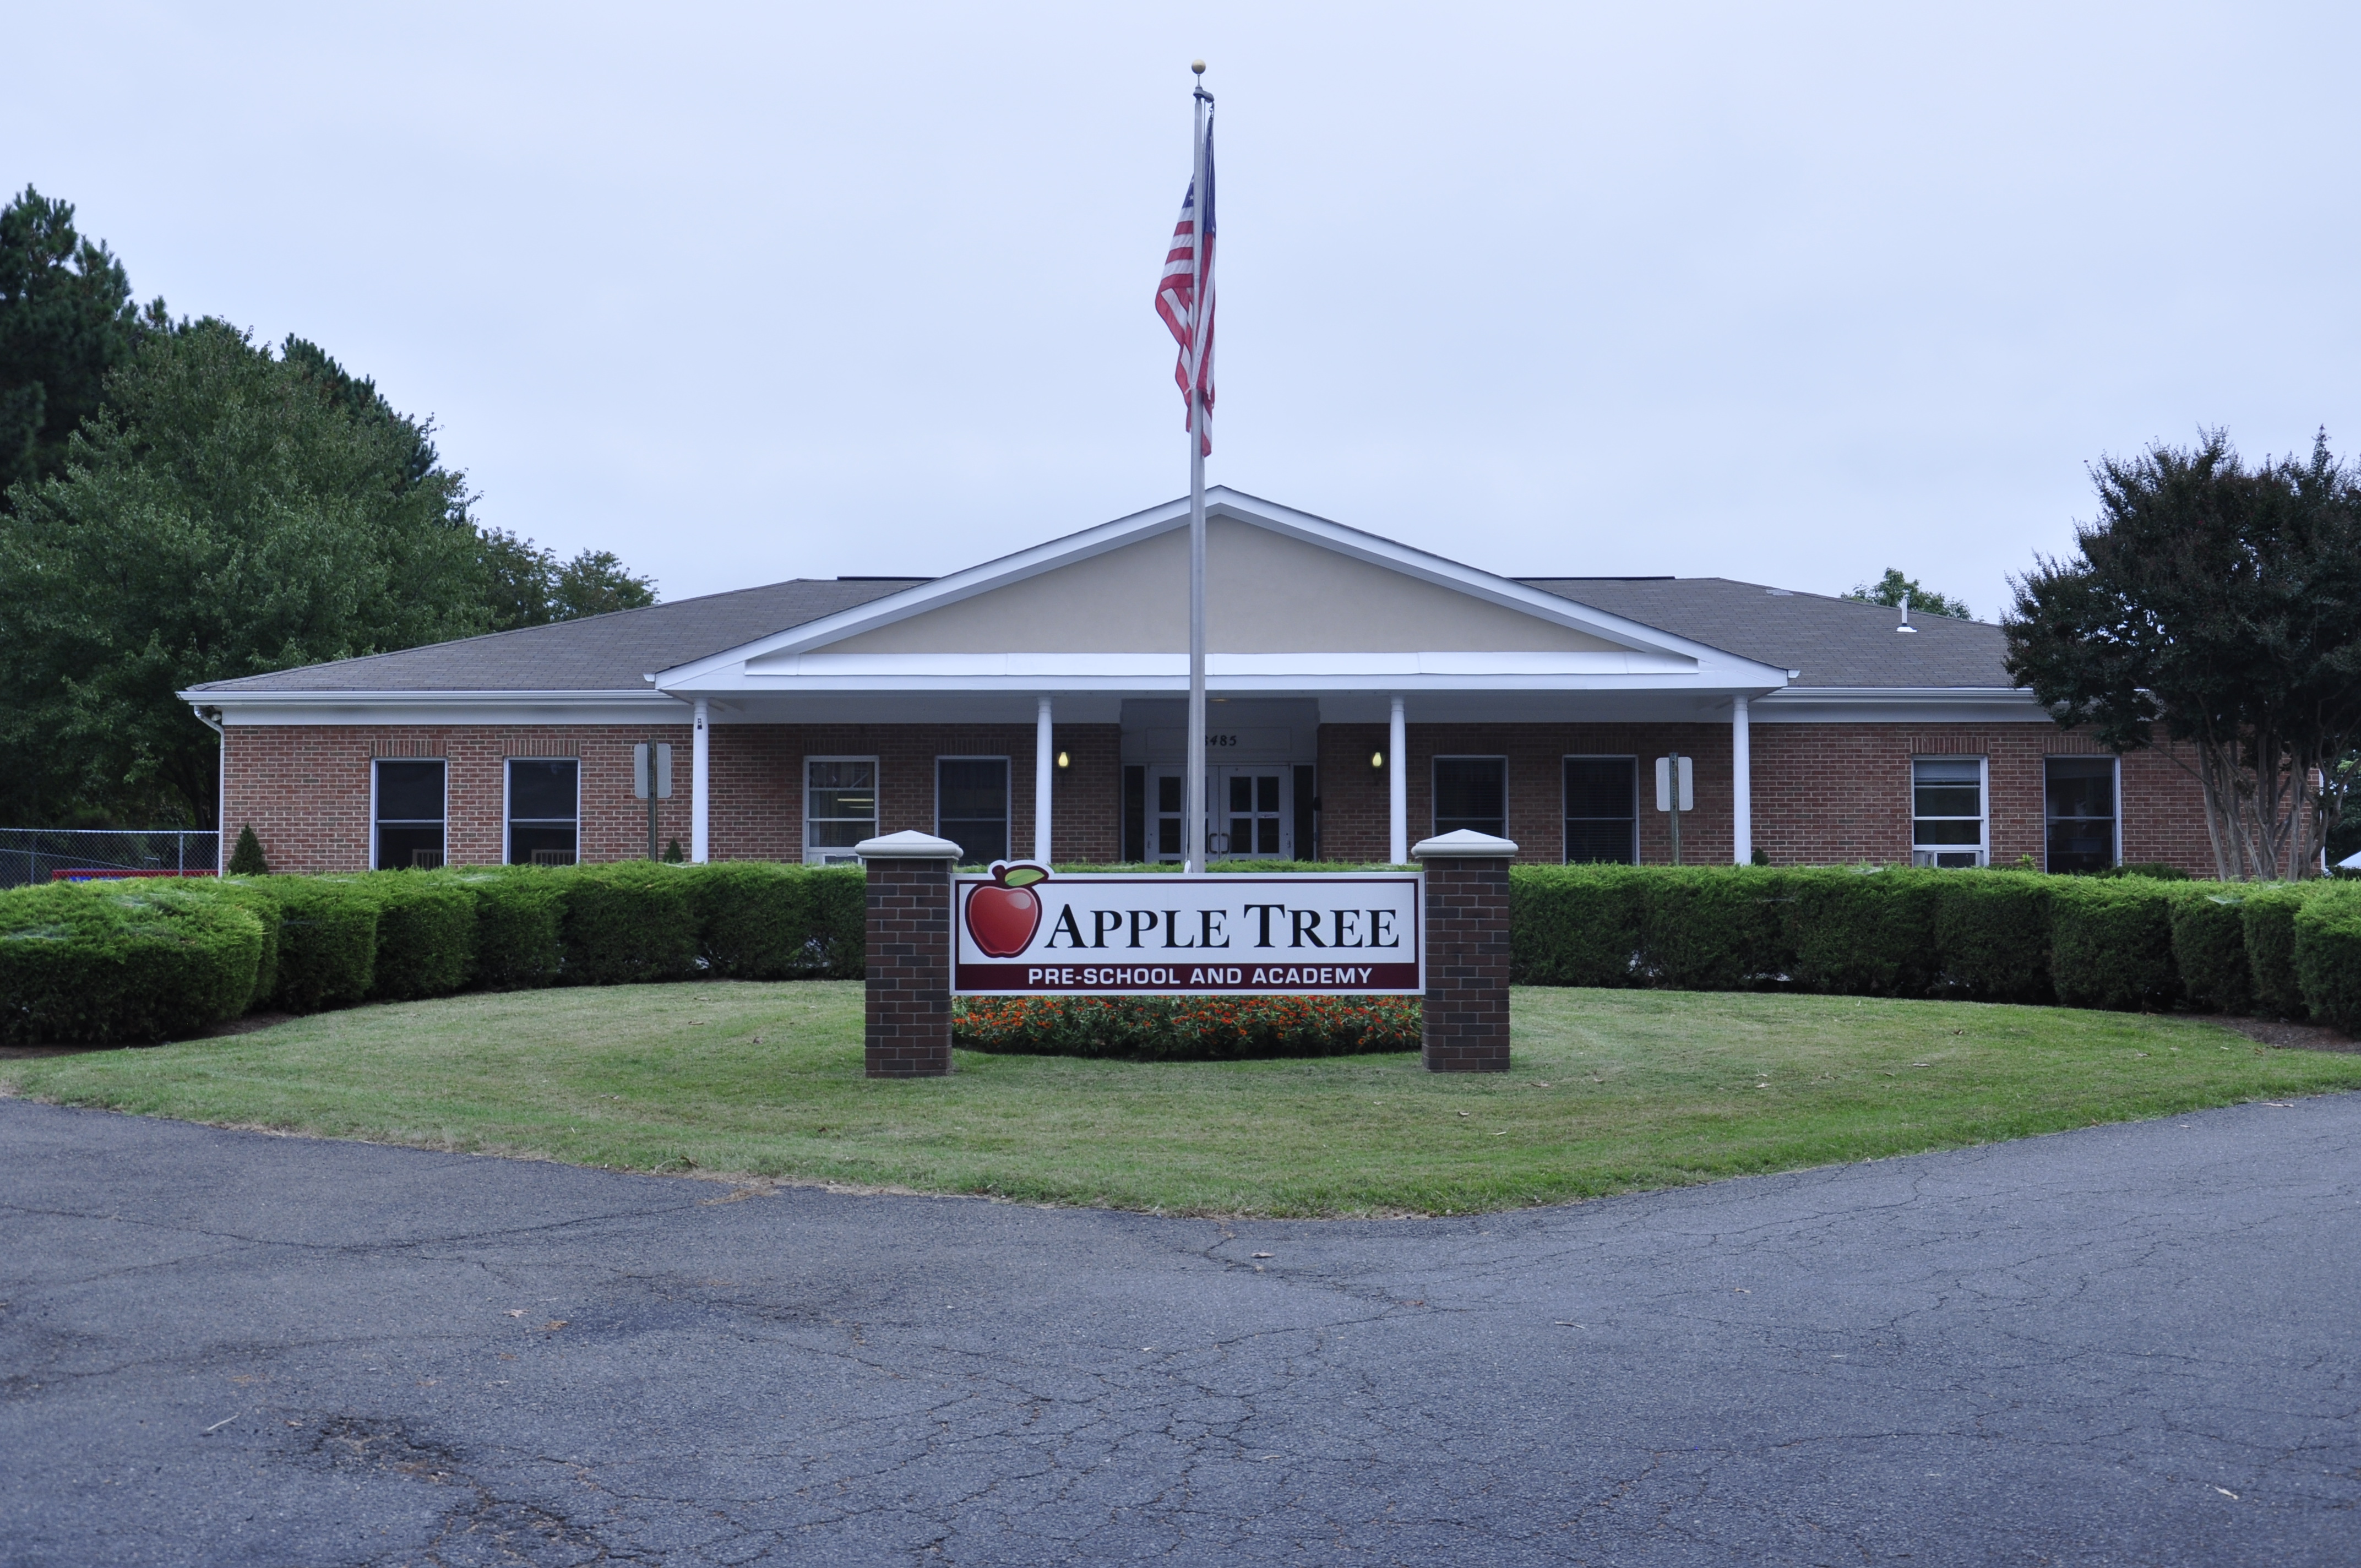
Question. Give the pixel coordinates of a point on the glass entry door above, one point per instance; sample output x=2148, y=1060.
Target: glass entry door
x=1248, y=813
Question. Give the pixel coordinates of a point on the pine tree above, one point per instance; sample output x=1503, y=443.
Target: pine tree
x=247, y=859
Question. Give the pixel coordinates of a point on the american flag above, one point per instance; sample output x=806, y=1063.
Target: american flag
x=1176, y=298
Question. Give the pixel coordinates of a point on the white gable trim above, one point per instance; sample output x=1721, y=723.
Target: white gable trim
x=1659, y=650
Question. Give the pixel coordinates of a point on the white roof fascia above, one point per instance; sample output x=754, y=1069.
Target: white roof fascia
x=438, y=706
x=1220, y=501
x=1900, y=704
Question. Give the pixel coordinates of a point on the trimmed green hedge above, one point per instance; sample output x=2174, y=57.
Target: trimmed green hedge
x=2268, y=917
x=758, y=921
x=1864, y=933
x=628, y=923
x=104, y=962
x=1718, y=929
x=1575, y=925
x=426, y=935
x=2209, y=948
x=1992, y=936
x=2111, y=944
x=2328, y=955
x=520, y=919
x=327, y=943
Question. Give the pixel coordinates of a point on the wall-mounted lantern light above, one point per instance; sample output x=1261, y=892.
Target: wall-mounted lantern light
x=1063, y=760
x=1377, y=759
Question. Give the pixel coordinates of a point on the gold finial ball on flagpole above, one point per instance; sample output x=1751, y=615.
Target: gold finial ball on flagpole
x=1198, y=66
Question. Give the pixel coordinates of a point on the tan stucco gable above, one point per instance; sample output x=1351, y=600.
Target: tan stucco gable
x=1265, y=593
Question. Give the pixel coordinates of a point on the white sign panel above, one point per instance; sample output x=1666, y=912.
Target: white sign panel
x=1026, y=931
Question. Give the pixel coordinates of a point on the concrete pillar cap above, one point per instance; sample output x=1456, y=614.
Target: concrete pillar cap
x=1466, y=844
x=908, y=845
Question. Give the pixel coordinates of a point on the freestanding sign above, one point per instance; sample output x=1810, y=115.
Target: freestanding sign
x=1026, y=931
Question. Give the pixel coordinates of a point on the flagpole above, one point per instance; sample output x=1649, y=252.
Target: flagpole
x=1193, y=855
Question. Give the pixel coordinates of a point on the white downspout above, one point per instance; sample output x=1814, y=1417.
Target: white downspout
x=1397, y=788
x=1045, y=765
x=1742, y=784
x=700, y=752
x=220, y=796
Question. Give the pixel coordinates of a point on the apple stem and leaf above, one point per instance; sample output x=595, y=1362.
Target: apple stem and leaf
x=1018, y=873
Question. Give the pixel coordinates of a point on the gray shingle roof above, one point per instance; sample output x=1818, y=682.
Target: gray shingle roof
x=598, y=652
x=1835, y=641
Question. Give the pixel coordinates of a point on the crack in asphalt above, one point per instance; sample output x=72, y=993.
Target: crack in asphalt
x=2071, y=1347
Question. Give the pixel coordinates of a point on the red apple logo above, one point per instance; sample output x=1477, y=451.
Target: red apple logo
x=1002, y=914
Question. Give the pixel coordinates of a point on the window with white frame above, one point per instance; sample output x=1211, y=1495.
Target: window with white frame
x=2078, y=797
x=1471, y=793
x=972, y=806
x=840, y=807
x=1947, y=812
x=407, y=800
x=1602, y=819
x=544, y=811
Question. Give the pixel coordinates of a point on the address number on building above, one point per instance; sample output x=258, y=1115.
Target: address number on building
x=1026, y=931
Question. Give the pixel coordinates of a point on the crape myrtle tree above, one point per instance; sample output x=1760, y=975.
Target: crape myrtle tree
x=227, y=510
x=2223, y=604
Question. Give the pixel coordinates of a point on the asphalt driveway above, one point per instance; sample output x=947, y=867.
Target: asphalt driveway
x=2126, y=1344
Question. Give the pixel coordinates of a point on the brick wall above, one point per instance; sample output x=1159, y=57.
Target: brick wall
x=909, y=1028
x=758, y=773
x=1823, y=792
x=305, y=788
x=1466, y=1015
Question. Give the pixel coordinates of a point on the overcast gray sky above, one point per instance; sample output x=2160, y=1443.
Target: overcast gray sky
x=742, y=292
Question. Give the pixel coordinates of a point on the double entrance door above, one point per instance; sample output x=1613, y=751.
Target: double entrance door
x=1249, y=813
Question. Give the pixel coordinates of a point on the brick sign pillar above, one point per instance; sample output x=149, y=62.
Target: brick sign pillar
x=1467, y=951
x=908, y=959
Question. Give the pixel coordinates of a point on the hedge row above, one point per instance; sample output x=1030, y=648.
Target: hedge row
x=2120, y=942
x=112, y=961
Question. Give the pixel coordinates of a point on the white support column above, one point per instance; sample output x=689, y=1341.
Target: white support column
x=698, y=793
x=1397, y=788
x=1742, y=784
x=1045, y=773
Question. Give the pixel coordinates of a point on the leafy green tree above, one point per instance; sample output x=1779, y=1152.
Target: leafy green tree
x=528, y=586
x=227, y=511
x=66, y=321
x=1894, y=589
x=2221, y=604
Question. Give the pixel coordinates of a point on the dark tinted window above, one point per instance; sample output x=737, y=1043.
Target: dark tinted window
x=1471, y=793
x=1601, y=809
x=972, y=806
x=409, y=827
x=2078, y=793
x=544, y=794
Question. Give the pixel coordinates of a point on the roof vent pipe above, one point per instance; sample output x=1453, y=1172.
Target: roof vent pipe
x=1905, y=625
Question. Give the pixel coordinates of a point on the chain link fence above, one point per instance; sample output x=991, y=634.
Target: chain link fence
x=38, y=854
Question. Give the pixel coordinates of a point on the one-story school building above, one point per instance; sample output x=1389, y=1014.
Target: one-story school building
x=1364, y=695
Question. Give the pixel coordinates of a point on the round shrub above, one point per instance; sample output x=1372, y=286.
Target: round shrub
x=100, y=963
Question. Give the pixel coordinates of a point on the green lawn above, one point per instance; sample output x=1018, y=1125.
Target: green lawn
x=1613, y=1091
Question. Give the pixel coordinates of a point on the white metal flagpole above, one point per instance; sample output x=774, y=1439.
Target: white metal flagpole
x=1193, y=855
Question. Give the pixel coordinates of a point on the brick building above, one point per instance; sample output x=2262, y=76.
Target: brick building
x=1364, y=696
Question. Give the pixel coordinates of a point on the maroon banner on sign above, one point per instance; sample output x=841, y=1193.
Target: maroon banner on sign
x=1327, y=980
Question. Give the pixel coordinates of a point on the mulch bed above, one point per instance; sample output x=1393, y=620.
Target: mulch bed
x=2290, y=1036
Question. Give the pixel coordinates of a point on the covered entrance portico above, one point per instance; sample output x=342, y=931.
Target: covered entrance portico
x=1328, y=648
